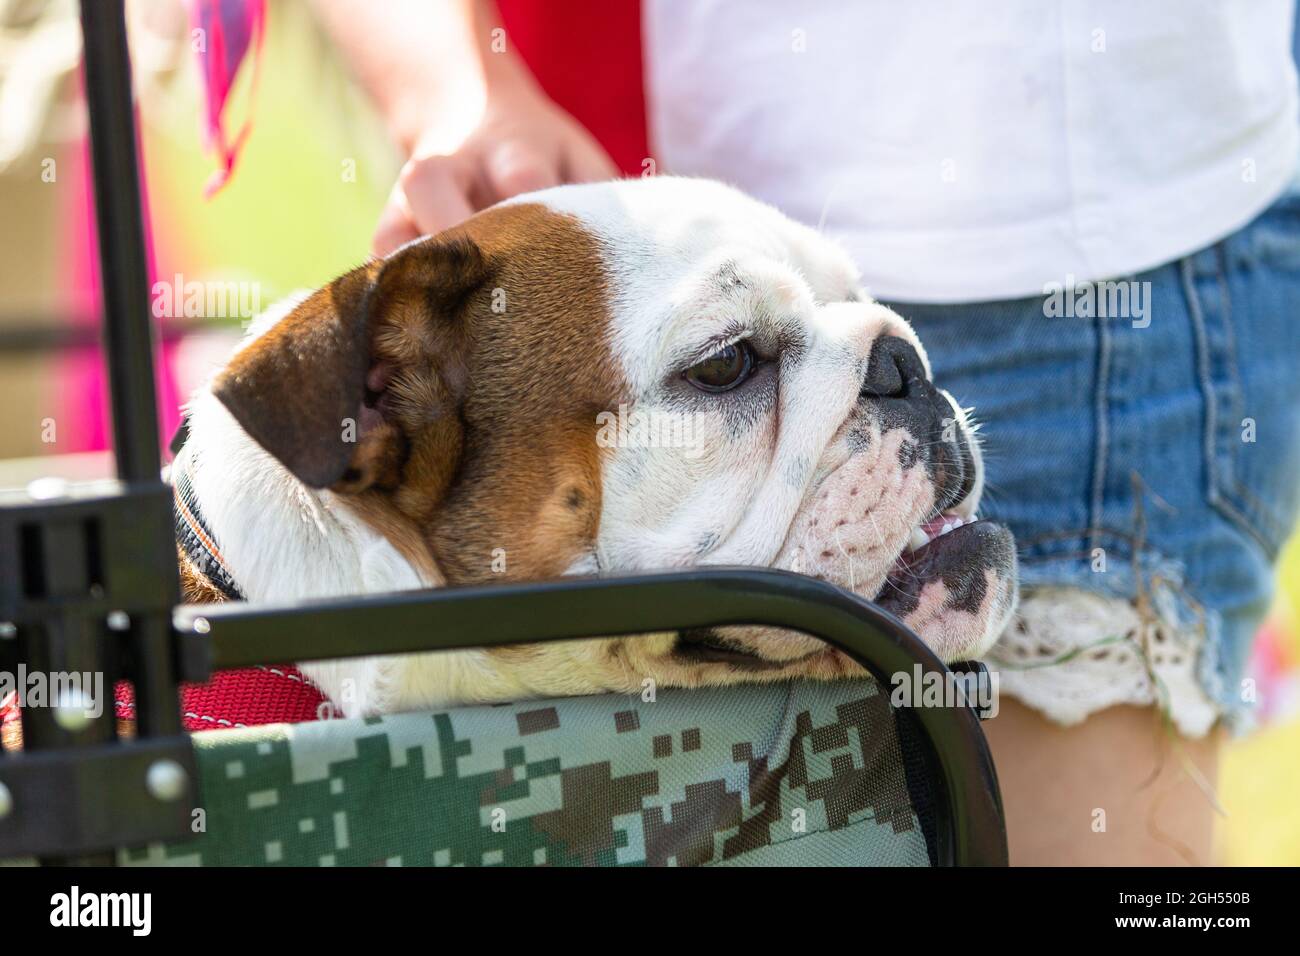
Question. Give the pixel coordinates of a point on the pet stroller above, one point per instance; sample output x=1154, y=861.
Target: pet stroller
x=799, y=773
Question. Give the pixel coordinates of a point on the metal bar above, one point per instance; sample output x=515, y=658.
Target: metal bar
x=238, y=635
x=128, y=332
x=130, y=793
x=87, y=588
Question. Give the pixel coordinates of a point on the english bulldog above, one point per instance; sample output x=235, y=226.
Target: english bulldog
x=648, y=374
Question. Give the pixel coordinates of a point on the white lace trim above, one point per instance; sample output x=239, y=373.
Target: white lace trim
x=1072, y=652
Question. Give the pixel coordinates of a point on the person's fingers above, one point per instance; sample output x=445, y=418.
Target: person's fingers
x=512, y=168
x=395, y=226
x=436, y=192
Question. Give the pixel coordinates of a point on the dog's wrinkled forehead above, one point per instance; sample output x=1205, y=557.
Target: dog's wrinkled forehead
x=685, y=256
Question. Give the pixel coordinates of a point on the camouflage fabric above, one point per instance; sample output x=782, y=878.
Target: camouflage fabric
x=790, y=774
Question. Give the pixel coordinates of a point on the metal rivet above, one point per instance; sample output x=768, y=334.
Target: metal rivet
x=74, y=710
x=8, y=630
x=201, y=625
x=119, y=621
x=6, y=801
x=166, y=780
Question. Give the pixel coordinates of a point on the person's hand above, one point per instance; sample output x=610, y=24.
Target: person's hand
x=523, y=142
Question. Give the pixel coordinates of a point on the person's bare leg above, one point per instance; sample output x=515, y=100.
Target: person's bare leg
x=1111, y=791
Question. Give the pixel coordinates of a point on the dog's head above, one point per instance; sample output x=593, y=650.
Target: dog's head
x=647, y=374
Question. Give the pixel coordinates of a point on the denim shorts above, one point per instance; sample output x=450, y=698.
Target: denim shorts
x=1160, y=443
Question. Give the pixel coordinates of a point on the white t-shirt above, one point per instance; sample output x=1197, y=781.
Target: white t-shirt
x=967, y=151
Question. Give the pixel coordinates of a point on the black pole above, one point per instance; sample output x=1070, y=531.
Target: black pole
x=76, y=639
x=128, y=332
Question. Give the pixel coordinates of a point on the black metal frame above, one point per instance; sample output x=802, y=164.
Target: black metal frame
x=89, y=577
x=93, y=587
x=971, y=831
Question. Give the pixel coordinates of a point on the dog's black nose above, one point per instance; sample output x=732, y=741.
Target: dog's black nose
x=893, y=363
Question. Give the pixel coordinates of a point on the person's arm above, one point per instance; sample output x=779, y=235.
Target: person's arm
x=474, y=124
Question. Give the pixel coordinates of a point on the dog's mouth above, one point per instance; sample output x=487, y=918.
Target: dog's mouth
x=955, y=549
x=941, y=524
x=934, y=532
x=952, y=547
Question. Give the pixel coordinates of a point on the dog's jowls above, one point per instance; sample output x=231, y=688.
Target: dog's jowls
x=647, y=374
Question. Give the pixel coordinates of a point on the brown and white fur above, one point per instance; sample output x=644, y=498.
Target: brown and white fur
x=436, y=418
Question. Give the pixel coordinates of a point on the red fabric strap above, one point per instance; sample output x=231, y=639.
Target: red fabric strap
x=248, y=697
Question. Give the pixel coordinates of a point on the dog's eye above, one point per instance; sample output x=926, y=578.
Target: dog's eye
x=723, y=370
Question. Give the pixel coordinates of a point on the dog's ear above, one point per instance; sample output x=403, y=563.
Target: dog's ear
x=334, y=389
